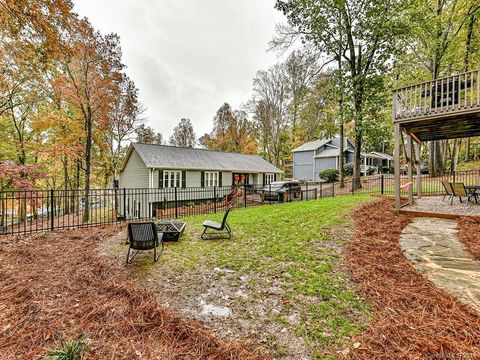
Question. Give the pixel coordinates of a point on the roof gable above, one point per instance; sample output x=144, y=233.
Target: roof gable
x=316, y=144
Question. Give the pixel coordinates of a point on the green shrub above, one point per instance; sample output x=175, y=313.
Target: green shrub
x=331, y=175
x=70, y=350
x=348, y=169
x=370, y=171
x=386, y=170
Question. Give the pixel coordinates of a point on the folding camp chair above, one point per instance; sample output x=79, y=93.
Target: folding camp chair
x=448, y=190
x=143, y=236
x=458, y=190
x=222, y=229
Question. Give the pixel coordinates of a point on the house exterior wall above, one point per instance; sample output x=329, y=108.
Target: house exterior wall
x=135, y=174
x=325, y=163
x=303, y=165
x=141, y=197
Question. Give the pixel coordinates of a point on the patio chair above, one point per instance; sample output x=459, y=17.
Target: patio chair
x=458, y=190
x=222, y=230
x=143, y=236
x=448, y=190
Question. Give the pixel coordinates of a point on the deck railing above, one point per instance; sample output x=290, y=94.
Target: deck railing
x=449, y=95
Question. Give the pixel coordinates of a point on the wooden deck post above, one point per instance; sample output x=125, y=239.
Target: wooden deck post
x=410, y=164
x=396, y=164
x=419, y=172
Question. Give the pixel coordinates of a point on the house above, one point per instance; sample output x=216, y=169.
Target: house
x=313, y=157
x=378, y=159
x=184, y=175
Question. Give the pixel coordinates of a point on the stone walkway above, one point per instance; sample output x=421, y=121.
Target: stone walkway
x=433, y=246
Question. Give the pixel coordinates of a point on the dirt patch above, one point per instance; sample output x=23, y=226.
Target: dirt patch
x=235, y=305
x=469, y=234
x=412, y=318
x=57, y=287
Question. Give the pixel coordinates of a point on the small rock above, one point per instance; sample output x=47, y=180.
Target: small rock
x=284, y=330
x=356, y=345
x=218, y=270
x=275, y=312
x=208, y=309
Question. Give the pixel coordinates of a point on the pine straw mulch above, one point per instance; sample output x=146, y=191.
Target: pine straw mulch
x=469, y=234
x=412, y=319
x=56, y=287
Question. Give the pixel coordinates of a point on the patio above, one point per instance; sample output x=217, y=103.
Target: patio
x=434, y=206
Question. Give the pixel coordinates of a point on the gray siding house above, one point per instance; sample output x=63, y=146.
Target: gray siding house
x=170, y=173
x=312, y=157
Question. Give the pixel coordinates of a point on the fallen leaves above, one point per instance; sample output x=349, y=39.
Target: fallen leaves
x=412, y=318
x=78, y=293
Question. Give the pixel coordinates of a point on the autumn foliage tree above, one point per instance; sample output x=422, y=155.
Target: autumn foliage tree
x=232, y=131
x=183, y=134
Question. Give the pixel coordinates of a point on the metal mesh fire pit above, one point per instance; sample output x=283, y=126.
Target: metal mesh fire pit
x=171, y=230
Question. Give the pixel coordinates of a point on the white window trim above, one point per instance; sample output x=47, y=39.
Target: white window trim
x=170, y=176
x=269, y=178
x=211, y=178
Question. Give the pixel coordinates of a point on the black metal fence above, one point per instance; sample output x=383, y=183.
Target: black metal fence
x=29, y=211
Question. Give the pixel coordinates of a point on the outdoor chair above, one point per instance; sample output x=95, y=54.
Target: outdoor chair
x=143, y=236
x=448, y=190
x=221, y=231
x=458, y=190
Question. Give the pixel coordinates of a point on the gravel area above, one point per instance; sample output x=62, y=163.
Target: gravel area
x=435, y=204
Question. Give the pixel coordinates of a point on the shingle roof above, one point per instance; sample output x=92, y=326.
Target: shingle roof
x=172, y=157
x=312, y=145
x=334, y=151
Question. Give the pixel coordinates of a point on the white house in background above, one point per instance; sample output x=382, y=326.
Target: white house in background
x=313, y=157
x=169, y=171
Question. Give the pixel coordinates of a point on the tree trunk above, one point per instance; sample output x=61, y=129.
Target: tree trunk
x=467, y=149
x=456, y=150
x=445, y=151
x=88, y=158
x=66, y=206
x=341, y=158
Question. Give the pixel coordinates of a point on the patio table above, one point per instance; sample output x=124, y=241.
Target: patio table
x=171, y=230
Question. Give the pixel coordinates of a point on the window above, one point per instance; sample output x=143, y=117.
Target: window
x=211, y=178
x=172, y=178
x=269, y=178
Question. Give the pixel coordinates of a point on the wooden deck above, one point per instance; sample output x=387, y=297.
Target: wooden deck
x=446, y=108
x=440, y=109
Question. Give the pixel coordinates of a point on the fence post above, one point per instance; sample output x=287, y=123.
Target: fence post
x=215, y=199
x=245, y=195
x=321, y=190
x=306, y=191
x=333, y=189
x=382, y=187
x=454, y=176
x=52, y=209
x=176, y=203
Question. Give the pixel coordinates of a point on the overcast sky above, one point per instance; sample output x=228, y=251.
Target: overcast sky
x=188, y=57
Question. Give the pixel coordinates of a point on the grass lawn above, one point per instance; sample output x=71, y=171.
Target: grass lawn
x=296, y=245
